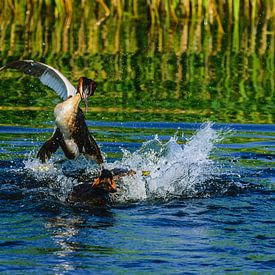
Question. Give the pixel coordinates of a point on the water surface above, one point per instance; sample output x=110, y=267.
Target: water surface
x=219, y=217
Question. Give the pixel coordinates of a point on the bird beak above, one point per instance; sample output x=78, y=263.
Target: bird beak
x=86, y=88
x=85, y=98
x=86, y=104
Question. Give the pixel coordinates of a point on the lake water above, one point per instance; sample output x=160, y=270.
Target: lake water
x=189, y=108
x=208, y=207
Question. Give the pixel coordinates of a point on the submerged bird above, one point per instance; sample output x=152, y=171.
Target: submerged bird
x=100, y=191
x=97, y=193
x=71, y=132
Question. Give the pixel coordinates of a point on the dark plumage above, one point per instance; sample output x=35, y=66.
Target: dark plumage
x=97, y=192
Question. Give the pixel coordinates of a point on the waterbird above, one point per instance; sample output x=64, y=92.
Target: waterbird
x=71, y=132
x=99, y=191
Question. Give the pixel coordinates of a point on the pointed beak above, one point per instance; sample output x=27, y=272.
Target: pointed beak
x=86, y=88
x=85, y=95
x=86, y=103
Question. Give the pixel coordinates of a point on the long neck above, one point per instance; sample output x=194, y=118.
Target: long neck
x=80, y=86
x=75, y=100
x=67, y=108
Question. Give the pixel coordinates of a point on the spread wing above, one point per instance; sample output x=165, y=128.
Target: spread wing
x=46, y=74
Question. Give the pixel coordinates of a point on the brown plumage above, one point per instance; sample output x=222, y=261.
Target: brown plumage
x=95, y=193
x=71, y=132
x=100, y=191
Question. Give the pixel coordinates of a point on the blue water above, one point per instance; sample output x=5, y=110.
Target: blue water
x=206, y=207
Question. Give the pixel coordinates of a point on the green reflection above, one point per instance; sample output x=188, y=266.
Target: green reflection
x=161, y=61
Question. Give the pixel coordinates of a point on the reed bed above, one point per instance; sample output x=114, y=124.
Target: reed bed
x=132, y=43
x=179, y=25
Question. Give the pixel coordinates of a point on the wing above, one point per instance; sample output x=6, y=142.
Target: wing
x=47, y=75
x=88, y=143
x=92, y=150
x=49, y=147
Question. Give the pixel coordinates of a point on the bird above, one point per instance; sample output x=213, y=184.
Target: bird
x=99, y=191
x=71, y=132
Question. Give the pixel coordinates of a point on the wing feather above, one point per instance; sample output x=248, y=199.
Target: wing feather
x=46, y=74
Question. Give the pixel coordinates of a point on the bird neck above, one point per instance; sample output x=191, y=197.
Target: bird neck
x=67, y=107
x=73, y=101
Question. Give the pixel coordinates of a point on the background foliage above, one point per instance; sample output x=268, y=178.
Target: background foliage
x=165, y=60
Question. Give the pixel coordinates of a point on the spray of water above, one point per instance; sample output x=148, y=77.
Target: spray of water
x=163, y=170
x=166, y=170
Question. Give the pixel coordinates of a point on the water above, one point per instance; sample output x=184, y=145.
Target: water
x=184, y=100
x=207, y=205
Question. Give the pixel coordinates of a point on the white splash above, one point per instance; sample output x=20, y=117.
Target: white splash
x=60, y=175
x=163, y=170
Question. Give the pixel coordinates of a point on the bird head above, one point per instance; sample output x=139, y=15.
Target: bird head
x=86, y=87
x=105, y=182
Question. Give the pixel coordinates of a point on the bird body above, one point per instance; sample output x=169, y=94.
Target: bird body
x=98, y=192
x=66, y=115
x=85, y=193
x=71, y=133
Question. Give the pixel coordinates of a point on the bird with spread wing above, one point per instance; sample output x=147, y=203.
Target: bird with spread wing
x=71, y=132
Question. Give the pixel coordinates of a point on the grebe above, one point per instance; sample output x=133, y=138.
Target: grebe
x=71, y=132
x=97, y=192
x=100, y=191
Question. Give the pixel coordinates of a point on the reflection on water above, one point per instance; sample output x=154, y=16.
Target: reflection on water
x=215, y=63
x=67, y=233
x=64, y=231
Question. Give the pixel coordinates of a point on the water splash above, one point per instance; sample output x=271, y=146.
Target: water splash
x=163, y=170
x=166, y=170
x=60, y=176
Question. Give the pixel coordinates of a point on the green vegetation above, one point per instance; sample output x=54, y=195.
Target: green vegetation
x=176, y=60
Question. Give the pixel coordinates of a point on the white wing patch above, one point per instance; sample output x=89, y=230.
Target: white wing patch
x=46, y=74
x=58, y=82
x=54, y=83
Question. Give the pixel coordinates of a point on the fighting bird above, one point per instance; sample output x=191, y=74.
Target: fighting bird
x=71, y=132
x=100, y=192
x=97, y=193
